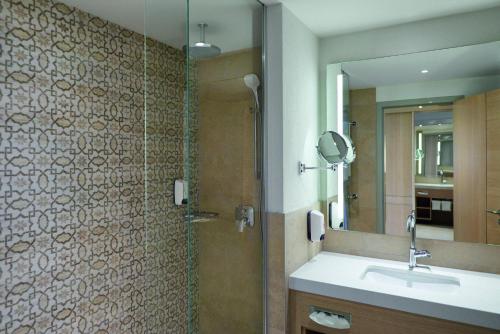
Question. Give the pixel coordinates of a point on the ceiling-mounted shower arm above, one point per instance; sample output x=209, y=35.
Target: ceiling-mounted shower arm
x=203, y=27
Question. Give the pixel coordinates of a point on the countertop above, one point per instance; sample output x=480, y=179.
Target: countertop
x=475, y=302
x=434, y=185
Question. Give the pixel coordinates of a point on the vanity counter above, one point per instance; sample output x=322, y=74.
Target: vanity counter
x=475, y=301
x=434, y=185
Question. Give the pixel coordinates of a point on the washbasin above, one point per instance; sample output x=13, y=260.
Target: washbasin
x=411, y=279
x=434, y=185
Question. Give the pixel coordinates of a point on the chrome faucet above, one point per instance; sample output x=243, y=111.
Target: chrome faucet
x=414, y=253
x=441, y=175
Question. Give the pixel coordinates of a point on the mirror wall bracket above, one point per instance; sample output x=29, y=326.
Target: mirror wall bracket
x=303, y=167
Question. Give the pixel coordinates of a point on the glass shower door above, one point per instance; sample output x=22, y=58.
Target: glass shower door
x=204, y=272
x=225, y=71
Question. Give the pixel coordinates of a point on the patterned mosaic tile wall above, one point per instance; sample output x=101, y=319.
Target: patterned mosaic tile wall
x=78, y=254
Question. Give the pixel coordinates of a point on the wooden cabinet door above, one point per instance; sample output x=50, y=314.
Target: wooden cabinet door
x=399, y=198
x=493, y=165
x=367, y=319
x=469, y=164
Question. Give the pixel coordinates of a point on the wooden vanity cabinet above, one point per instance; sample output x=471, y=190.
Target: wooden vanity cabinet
x=367, y=319
x=423, y=206
x=476, y=164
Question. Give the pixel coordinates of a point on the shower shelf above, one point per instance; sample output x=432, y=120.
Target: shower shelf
x=202, y=216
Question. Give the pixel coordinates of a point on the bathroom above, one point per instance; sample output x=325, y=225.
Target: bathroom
x=244, y=166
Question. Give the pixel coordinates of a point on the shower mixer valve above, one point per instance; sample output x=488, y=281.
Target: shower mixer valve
x=244, y=216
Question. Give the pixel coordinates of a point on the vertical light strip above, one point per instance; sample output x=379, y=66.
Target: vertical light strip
x=340, y=129
x=439, y=153
x=420, y=150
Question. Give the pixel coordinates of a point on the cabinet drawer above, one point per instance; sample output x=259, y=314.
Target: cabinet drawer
x=434, y=193
x=368, y=319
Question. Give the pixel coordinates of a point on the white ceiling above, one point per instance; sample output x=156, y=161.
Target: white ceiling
x=335, y=17
x=235, y=24
x=455, y=63
x=232, y=24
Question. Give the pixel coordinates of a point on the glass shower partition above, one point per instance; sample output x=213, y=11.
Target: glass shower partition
x=204, y=273
x=170, y=237
x=225, y=57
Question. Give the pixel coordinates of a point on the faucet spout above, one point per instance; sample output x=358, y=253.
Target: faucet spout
x=414, y=253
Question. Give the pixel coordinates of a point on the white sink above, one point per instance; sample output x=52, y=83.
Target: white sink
x=434, y=185
x=411, y=279
x=457, y=295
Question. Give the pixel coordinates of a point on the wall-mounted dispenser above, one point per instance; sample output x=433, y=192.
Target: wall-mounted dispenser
x=244, y=217
x=180, y=191
x=335, y=219
x=315, y=226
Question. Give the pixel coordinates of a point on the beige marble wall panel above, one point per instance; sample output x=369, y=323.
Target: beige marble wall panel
x=298, y=248
x=288, y=249
x=459, y=255
x=277, y=288
x=230, y=262
x=363, y=211
x=231, y=65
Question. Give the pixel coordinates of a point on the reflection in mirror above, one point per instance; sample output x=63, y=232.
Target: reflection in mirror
x=425, y=140
x=336, y=148
x=434, y=173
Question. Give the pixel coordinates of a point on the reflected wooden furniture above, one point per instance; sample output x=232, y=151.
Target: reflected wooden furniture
x=476, y=149
x=368, y=319
x=398, y=143
x=423, y=206
x=493, y=165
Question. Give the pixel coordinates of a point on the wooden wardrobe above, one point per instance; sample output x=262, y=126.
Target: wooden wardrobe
x=476, y=148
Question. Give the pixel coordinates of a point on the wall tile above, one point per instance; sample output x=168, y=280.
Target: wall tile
x=79, y=251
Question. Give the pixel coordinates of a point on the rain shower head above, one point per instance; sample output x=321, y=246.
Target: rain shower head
x=202, y=49
x=252, y=82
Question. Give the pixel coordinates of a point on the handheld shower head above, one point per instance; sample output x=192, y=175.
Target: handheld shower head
x=252, y=82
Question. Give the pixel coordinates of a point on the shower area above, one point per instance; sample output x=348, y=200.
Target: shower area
x=130, y=166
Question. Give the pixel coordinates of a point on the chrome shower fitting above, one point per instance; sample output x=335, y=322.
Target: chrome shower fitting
x=244, y=217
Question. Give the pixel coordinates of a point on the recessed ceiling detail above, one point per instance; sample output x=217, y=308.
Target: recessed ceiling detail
x=232, y=24
x=336, y=17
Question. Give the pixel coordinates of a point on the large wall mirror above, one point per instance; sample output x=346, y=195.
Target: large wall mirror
x=426, y=130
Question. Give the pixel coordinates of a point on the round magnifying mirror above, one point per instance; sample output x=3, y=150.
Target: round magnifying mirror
x=336, y=148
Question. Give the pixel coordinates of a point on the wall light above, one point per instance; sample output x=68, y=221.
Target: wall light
x=424, y=71
x=340, y=129
x=419, y=163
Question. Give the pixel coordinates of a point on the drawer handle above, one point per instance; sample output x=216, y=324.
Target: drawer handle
x=495, y=212
x=330, y=319
x=422, y=193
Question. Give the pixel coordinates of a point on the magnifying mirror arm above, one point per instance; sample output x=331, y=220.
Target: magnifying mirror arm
x=303, y=167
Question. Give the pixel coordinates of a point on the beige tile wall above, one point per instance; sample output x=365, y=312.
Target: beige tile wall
x=452, y=254
x=230, y=263
x=276, y=280
x=363, y=211
x=288, y=249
